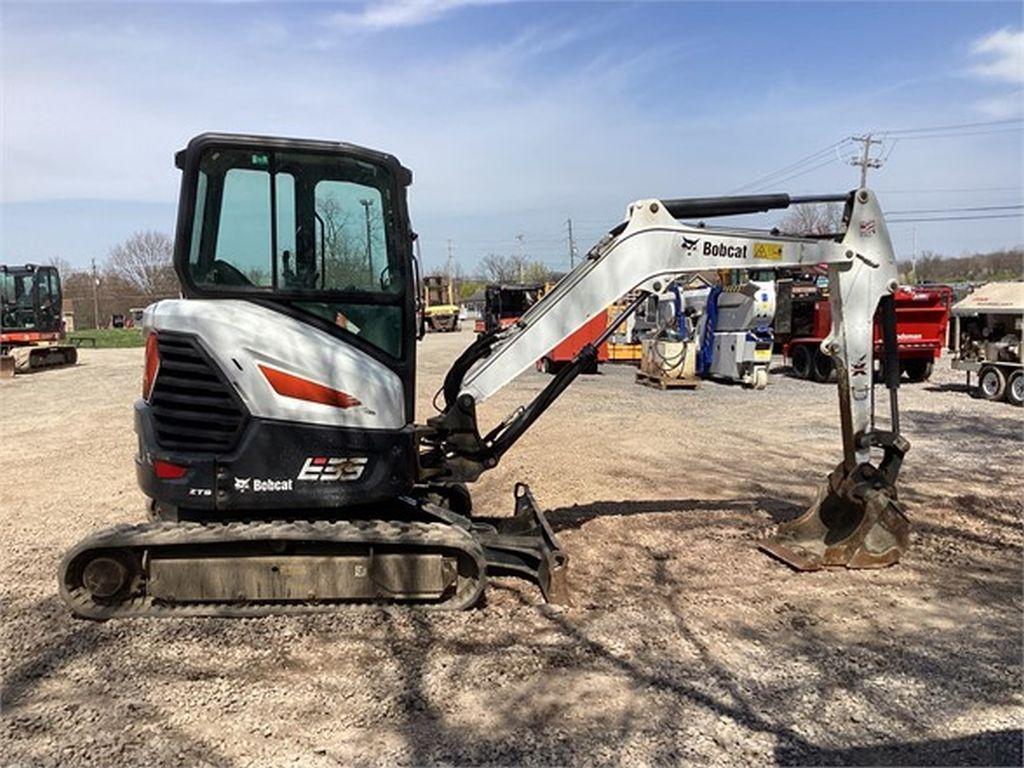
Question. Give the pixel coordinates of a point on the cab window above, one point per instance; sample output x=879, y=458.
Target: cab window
x=308, y=225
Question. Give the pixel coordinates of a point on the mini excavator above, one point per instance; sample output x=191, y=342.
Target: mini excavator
x=31, y=320
x=276, y=434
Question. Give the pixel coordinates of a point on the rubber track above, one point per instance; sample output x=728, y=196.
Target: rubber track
x=415, y=535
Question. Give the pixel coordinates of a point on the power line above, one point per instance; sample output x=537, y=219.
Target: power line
x=796, y=169
x=959, y=218
x=934, y=190
x=959, y=210
x=804, y=172
x=956, y=135
x=953, y=127
x=762, y=180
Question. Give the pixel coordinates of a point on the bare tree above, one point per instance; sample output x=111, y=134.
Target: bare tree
x=63, y=266
x=349, y=260
x=514, y=269
x=144, y=261
x=930, y=267
x=536, y=272
x=498, y=268
x=817, y=219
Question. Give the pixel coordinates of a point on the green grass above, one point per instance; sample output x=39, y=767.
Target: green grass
x=108, y=338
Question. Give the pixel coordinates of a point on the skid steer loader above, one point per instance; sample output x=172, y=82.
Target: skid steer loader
x=276, y=433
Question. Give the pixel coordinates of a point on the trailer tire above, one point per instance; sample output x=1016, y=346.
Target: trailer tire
x=802, y=360
x=918, y=370
x=823, y=367
x=991, y=383
x=1015, y=389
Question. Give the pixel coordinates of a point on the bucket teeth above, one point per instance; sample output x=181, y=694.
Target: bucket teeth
x=855, y=522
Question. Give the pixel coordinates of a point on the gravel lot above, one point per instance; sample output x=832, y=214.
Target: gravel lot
x=684, y=643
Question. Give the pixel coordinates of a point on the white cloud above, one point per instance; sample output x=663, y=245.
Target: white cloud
x=1010, y=105
x=1003, y=52
x=389, y=14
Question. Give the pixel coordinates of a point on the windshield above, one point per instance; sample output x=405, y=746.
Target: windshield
x=304, y=223
x=18, y=304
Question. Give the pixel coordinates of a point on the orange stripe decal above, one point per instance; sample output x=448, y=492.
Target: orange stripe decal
x=303, y=389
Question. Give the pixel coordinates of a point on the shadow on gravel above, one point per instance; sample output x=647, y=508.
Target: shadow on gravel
x=970, y=390
x=996, y=748
x=566, y=518
x=74, y=641
x=59, y=651
x=569, y=518
x=962, y=426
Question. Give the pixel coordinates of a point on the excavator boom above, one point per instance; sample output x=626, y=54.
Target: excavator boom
x=647, y=252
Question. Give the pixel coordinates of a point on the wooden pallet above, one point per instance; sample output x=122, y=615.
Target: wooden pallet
x=663, y=382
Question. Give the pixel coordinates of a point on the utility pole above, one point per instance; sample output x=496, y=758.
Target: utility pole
x=865, y=161
x=572, y=244
x=913, y=254
x=95, y=296
x=519, y=254
x=369, y=249
x=448, y=272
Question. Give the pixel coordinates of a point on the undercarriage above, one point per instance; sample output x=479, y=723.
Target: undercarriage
x=424, y=554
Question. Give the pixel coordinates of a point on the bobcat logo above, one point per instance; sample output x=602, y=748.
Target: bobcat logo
x=690, y=244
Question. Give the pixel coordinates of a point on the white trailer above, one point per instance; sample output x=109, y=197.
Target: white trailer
x=985, y=338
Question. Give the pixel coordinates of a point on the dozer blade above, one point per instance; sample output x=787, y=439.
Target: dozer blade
x=37, y=358
x=855, y=522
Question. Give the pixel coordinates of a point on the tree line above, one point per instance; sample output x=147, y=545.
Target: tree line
x=135, y=273
x=139, y=270
x=930, y=267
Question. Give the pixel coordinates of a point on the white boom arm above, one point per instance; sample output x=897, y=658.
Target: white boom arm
x=653, y=248
x=856, y=520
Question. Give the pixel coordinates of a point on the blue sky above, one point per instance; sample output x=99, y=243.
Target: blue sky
x=513, y=116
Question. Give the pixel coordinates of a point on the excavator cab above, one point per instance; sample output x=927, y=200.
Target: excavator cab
x=30, y=299
x=319, y=230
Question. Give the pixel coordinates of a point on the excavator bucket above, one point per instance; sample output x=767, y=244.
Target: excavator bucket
x=855, y=522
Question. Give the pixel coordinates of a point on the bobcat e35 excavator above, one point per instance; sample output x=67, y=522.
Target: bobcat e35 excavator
x=276, y=431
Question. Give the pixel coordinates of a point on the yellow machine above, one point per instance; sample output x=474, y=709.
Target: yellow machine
x=440, y=311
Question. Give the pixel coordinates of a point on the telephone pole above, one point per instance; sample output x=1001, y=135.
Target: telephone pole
x=913, y=254
x=95, y=296
x=448, y=264
x=866, y=161
x=519, y=254
x=572, y=244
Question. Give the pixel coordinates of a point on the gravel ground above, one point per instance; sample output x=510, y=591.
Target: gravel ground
x=684, y=643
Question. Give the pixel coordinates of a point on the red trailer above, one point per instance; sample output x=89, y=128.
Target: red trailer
x=554, y=360
x=922, y=318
